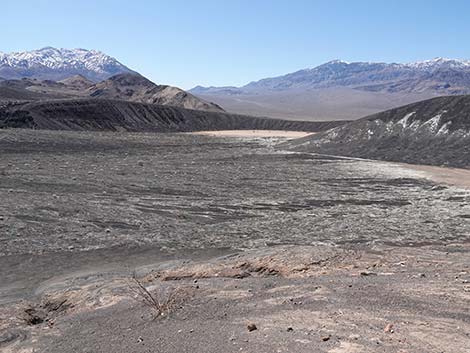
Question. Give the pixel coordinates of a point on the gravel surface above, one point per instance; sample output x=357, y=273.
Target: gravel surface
x=247, y=229
x=80, y=191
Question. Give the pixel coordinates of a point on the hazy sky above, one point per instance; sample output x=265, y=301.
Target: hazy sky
x=232, y=42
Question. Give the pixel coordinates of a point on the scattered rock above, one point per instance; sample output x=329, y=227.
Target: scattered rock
x=368, y=273
x=34, y=317
x=389, y=328
x=251, y=327
x=325, y=338
x=290, y=329
x=10, y=336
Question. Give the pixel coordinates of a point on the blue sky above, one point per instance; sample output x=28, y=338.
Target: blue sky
x=232, y=42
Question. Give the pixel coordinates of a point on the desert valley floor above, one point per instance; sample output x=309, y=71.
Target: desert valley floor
x=318, y=253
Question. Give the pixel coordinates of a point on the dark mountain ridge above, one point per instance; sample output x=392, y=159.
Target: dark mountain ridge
x=435, y=131
x=119, y=115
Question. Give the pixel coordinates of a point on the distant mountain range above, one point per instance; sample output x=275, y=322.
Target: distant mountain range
x=58, y=64
x=342, y=90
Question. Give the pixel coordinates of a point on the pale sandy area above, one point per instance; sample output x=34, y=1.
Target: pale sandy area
x=450, y=176
x=254, y=133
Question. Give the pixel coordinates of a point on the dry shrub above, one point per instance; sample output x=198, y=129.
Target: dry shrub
x=162, y=301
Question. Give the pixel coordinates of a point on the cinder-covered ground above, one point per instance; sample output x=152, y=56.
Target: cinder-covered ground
x=320, y=253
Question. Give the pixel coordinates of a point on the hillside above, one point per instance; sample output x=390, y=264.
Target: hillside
x=136, y=88
x=77, y=82
x=342, y=90
x=129, y=87
x=435, y=131
x=118, y=115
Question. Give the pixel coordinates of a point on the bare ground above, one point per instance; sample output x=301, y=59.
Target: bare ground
x=450, y=176
x=254, y=133
x=320, y=253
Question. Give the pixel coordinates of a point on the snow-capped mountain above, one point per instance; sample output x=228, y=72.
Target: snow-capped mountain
x=57, y=64
x=439, y=63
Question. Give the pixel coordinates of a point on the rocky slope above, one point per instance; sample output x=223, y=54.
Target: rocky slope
x=136, y=88
x=342, y=90
x=435, y=131
x=57, y=64
x=119, y=115
x=128, y=87
x=77, y=82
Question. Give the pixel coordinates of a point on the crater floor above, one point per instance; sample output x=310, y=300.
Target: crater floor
x=93, y=206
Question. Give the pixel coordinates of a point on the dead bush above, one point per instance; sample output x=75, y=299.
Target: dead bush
x=163, y=300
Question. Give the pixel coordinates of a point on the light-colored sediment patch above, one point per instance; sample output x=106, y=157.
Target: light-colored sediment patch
x=458, y=177
x=347, y=347
x=451, y=176
x=254, y=133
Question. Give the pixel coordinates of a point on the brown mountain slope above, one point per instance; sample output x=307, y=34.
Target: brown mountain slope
x=77, y=82
x=136, y=88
